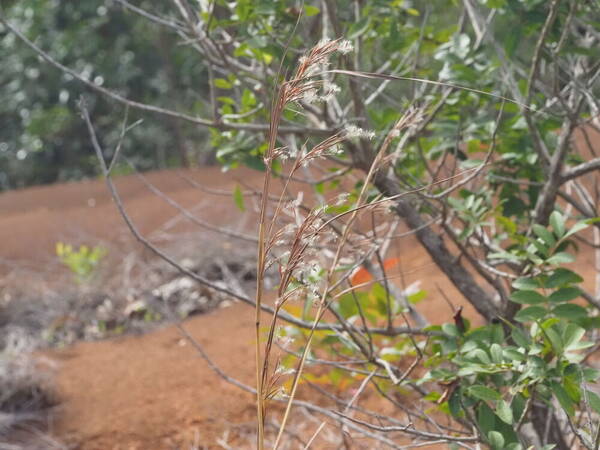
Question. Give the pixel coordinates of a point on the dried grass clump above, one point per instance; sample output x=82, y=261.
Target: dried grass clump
x=25, y=395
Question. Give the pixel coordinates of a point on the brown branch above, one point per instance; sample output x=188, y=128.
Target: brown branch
x=408, y=429
x=192, y=218
x=235, y=295
x=538, y=48
x=581, y=169
x=435, y=246
x=547, y=197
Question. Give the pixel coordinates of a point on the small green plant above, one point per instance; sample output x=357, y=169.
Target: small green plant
x=82, y=262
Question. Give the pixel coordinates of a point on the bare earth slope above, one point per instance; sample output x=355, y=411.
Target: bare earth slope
x=34, y=219
x=153, y=391
x=136, y=392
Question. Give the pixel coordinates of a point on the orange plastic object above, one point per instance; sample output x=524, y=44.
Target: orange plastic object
x=362, y=275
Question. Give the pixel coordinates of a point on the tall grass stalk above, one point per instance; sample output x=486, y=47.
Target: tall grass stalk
x=375, y=165
x=303, y=86
x=277, y=110
x=300, y=86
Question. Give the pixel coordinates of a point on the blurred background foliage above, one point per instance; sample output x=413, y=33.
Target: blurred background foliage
x=42, y=139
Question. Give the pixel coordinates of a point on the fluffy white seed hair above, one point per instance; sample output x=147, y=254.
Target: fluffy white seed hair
x=352, y=131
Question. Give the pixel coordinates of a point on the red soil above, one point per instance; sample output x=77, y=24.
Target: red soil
x=153, y=391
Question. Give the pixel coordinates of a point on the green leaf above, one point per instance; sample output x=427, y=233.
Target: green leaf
x=564, y=295
x=496, y=440
x=593, y=400
x=530, y=314
x=570, y=311
x=527, y=297
x=481, y=355
x=540, y=247
x=416, y=297
x=572, y=335
x=589, y=374
x=558, y=224
x=226, y=100
x=576, y=229
x=509, y=225
x=525, y=284
x=497, y=333
x=563, y=397
x=347, y=305
x=505, y=255
x=544, y=234
x=511, y=43
x=555, y=340
x=572, y=388
x=310, y=10
x=496, y=352
x=222, y=83
x=450, y=329
x=486, y=418
x=560, y=258
x=248, y=99
x=520, y=338
x=238, y=198
x=483, y=393
x=514, y=446
x=518, y=406
x=573, y=371
x=512, y=354
x=504, y=412
x=454, y=403
x=561, y=277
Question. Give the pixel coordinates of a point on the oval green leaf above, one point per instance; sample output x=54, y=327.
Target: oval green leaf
x=530, y=314
x=564, y=295
x=527, y=297
x=504, y=412
x=484, y=393
x=562, y=277
x=570, y=311
x=525, y=284
x=560, y=258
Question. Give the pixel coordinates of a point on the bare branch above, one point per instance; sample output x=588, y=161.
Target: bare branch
x=581, y=169
x=538, y=48
x=236, y=295
x=187, y=214
x=408, y=429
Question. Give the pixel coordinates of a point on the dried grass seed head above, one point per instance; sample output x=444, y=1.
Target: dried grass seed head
x=352, y=131
x=316, y=61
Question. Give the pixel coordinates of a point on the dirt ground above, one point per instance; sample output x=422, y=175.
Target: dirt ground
x=153, y=391
x=146, y=391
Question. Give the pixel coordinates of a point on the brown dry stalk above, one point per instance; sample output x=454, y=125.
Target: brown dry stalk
x=299, y=86
x=323, y=302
